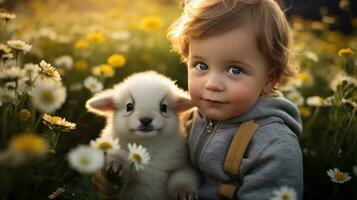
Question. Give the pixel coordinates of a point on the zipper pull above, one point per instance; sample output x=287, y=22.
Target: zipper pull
x=209, y=127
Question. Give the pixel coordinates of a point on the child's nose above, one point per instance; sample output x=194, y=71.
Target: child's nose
x=215, y=82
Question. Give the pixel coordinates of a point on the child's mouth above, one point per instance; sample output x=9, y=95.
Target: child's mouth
x=214, y=101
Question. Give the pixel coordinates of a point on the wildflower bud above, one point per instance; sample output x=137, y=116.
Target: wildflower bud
x=345, y=52
x=344, y=4
x=25, y=114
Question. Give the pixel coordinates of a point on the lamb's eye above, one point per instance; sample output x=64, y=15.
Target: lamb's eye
x=129, y=107
x=163, y=107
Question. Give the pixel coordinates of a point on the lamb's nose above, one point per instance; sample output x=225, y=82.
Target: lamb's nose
x=145, y=120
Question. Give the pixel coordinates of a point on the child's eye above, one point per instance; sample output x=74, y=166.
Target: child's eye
x=235, y=70
x=201, y=66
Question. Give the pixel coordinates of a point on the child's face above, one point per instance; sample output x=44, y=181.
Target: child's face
x=226, y=73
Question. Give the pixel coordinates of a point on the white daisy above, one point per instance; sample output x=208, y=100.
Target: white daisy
x=19, y=45
x=337, y=176
x=54, y=122
x=138, y=156
x=64, y=61
x=284, y=193
x=349, y=102
x=47, y=32
x=11, y=158
x=85, y=159
x=7, y=96
x=106, y=143
x=312, y=56
x=4, y=49
x=49, y=71
x=315, y=101
x=48, y=95
x=31, y=69
x=92, y=84
x=7, y=16
x=340, y=78
x=121, y=35
x=7, y=56
x=296, y=97
x=11, y=74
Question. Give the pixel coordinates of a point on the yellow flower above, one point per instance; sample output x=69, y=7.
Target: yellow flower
x=96, y=71
x=116, y=60
x=151, y=23
x=57, y=122
x=107, y=70
x=354, y=22
x=103, y=70
x=29, y=143
x=25, y=114
x=81, y=65
x=305, y=78
x=96, y=37
x=345, y=52
x=304, y=111
x=344, y=4
x=82, y=44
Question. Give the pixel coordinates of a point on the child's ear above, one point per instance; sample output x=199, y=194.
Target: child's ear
x=183, y=103
x=101, y=104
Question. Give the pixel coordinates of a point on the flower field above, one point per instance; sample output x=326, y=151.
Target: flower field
x=55, y=55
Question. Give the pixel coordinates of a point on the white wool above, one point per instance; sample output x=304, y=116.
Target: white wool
x=169, y=170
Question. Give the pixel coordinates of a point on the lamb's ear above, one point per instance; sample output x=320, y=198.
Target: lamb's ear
x=183, y=103
x=101, y=104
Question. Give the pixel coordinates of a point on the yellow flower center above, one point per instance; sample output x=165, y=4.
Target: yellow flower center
x=29, y=143
x=56, y=119
x=345, y=52
x=285, y=196
x=47, y=97
x=81, y=65
x=340, y=176
x=136, y=157
x=105, y=146
x=25, y=114
x=81, y=44
x=84, y=160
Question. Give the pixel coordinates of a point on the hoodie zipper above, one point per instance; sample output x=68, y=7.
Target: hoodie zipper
x=207, y=133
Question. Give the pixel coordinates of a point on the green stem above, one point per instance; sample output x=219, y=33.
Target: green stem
x=4, y=128
x=352, y=116
x=122, y=189
x=37, y=122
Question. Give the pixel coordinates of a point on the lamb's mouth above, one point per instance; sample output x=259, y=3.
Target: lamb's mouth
x=145, y=129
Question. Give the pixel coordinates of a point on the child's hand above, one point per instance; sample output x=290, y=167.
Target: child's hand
x=106, y=184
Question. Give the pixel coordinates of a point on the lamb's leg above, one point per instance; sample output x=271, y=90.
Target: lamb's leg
x=183, y=184
x=119, y=163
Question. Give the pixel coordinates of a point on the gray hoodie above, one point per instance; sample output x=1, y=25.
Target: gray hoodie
x=272, y=159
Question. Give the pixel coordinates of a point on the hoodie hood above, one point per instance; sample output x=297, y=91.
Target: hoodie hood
x=272, y=108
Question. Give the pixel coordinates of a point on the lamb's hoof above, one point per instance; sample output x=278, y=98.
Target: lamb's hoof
x=187, y=195
x=113, y=174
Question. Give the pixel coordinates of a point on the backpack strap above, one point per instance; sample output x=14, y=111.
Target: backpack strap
x=235, y=154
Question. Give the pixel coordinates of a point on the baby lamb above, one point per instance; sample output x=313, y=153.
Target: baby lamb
x=144, y=109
